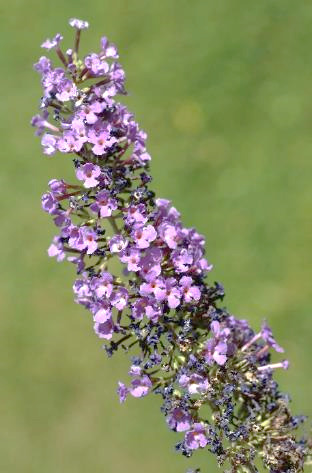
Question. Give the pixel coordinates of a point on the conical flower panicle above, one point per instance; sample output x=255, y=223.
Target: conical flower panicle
x=192, y=352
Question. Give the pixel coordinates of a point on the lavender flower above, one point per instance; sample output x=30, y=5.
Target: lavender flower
x=102, y=285
x=140, y=386
x=108, y=49
x=52, y=43
x=49, y=143
x=194, y=383
x=144, y=236
x=56, y=249
x=117, y=243
x=213, y=372
x=78, y=24
x=189, y=291
x=104, y=204
x=196, y=438
x=88, y=173
x=168, y=292
x=267, y=336
x=179, y=420
x=119, y=298
x=104, y=329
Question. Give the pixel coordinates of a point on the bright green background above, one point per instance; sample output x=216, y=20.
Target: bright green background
x=224, y=90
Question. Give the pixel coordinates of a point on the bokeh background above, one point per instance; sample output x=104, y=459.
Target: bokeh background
x=224, y=90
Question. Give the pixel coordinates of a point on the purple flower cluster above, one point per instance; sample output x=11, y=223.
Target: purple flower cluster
x=191, y=352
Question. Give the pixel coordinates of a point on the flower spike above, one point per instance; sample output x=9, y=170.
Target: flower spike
x=213, y=372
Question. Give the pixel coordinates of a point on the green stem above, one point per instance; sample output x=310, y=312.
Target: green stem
x=113, y=224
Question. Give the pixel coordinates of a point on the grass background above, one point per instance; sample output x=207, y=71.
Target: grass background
x=224, y=91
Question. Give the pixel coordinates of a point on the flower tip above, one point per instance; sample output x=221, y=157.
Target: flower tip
x=285, y=364
x=52, y=43
x=78, y=24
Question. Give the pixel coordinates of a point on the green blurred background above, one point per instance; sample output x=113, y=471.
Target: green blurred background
x=224, y=90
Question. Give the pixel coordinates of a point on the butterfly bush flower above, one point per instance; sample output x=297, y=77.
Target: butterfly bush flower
x=179, y=420
x=104, y=204
x=213, y=372
x=196, y=438
x=88, y=173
